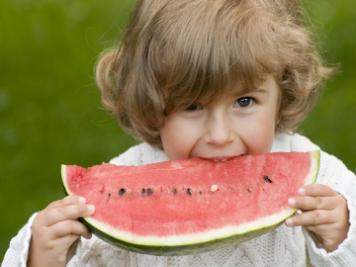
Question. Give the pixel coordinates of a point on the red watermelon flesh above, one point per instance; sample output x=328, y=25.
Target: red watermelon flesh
x=179, y=206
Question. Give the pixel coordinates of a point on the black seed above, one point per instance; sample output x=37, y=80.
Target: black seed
x=174, y=191
x=267, y=179
x=249, y=190
x=109, y=194
x=200, y=192
x=189, y=191
x=122, y=191
x=149, y=191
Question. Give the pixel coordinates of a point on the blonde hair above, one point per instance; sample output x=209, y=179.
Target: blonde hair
x=177, y=51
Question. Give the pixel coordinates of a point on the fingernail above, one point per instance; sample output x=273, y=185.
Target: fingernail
x=82, y=200
x=291, y=201
x=91, y=208
x=301, y=191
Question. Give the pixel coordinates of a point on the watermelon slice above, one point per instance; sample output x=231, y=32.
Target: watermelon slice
x=181, y=206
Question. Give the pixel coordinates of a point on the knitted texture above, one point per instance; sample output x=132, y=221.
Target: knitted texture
x=283, y=246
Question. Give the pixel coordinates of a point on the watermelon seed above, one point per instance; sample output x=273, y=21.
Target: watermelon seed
x=122, y=191
x=109, y=194
x=189, y=191
x=174, y=191
x=214, y=188
x=249, y=190
x=267, y=179
x=147, y=191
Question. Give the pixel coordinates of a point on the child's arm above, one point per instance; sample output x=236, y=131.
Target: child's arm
x=325, y=215
x=55, y=230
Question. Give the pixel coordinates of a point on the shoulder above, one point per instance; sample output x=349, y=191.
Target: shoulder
x=140, y=154
x=285, y=142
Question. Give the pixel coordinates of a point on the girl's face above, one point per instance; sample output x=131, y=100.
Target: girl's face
x=231, y=126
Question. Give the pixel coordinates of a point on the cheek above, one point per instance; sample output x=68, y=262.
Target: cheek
x=260, y=134
x=267, y=132
x=178, y=139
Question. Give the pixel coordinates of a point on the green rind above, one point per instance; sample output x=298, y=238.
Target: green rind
x=180, y=249
x=184, y=249
x=315, y=155
x=194, y=246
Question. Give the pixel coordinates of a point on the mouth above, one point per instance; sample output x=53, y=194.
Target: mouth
x=221, y=158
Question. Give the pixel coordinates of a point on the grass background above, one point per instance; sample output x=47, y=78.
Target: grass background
x=50, y=111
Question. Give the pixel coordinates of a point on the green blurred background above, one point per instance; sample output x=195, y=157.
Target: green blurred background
x=50, y=111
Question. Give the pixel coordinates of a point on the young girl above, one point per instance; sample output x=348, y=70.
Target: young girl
x=212, y=79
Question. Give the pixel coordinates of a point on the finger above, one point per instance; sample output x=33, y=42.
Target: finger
x=322, y=228
x=66, y=242
x=70, y=212
x=66, y=201
x=316, y=190
x=69, y=227
x=311, y=218
x=306, y=203
x=64, y=248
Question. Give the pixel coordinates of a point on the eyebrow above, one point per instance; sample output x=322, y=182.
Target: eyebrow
x=256, y=90
x=261, y=90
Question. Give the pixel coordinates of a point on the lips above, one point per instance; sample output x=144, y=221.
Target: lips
x=221, y=158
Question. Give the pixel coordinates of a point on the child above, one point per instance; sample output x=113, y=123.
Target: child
x=213, y=79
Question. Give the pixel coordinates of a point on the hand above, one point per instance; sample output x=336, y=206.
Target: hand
x=323, y=213
x=55, y=231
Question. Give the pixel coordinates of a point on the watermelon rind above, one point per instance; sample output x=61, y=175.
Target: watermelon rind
x=191, y=243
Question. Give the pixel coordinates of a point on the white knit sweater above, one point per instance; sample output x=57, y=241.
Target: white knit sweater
x=281, y=247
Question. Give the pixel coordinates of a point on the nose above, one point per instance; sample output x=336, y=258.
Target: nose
x=219, y=129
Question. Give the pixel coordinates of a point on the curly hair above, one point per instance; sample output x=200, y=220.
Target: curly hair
x=174, y=52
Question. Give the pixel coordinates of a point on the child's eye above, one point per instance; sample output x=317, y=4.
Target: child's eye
x=244, y=102
x=194, y=107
